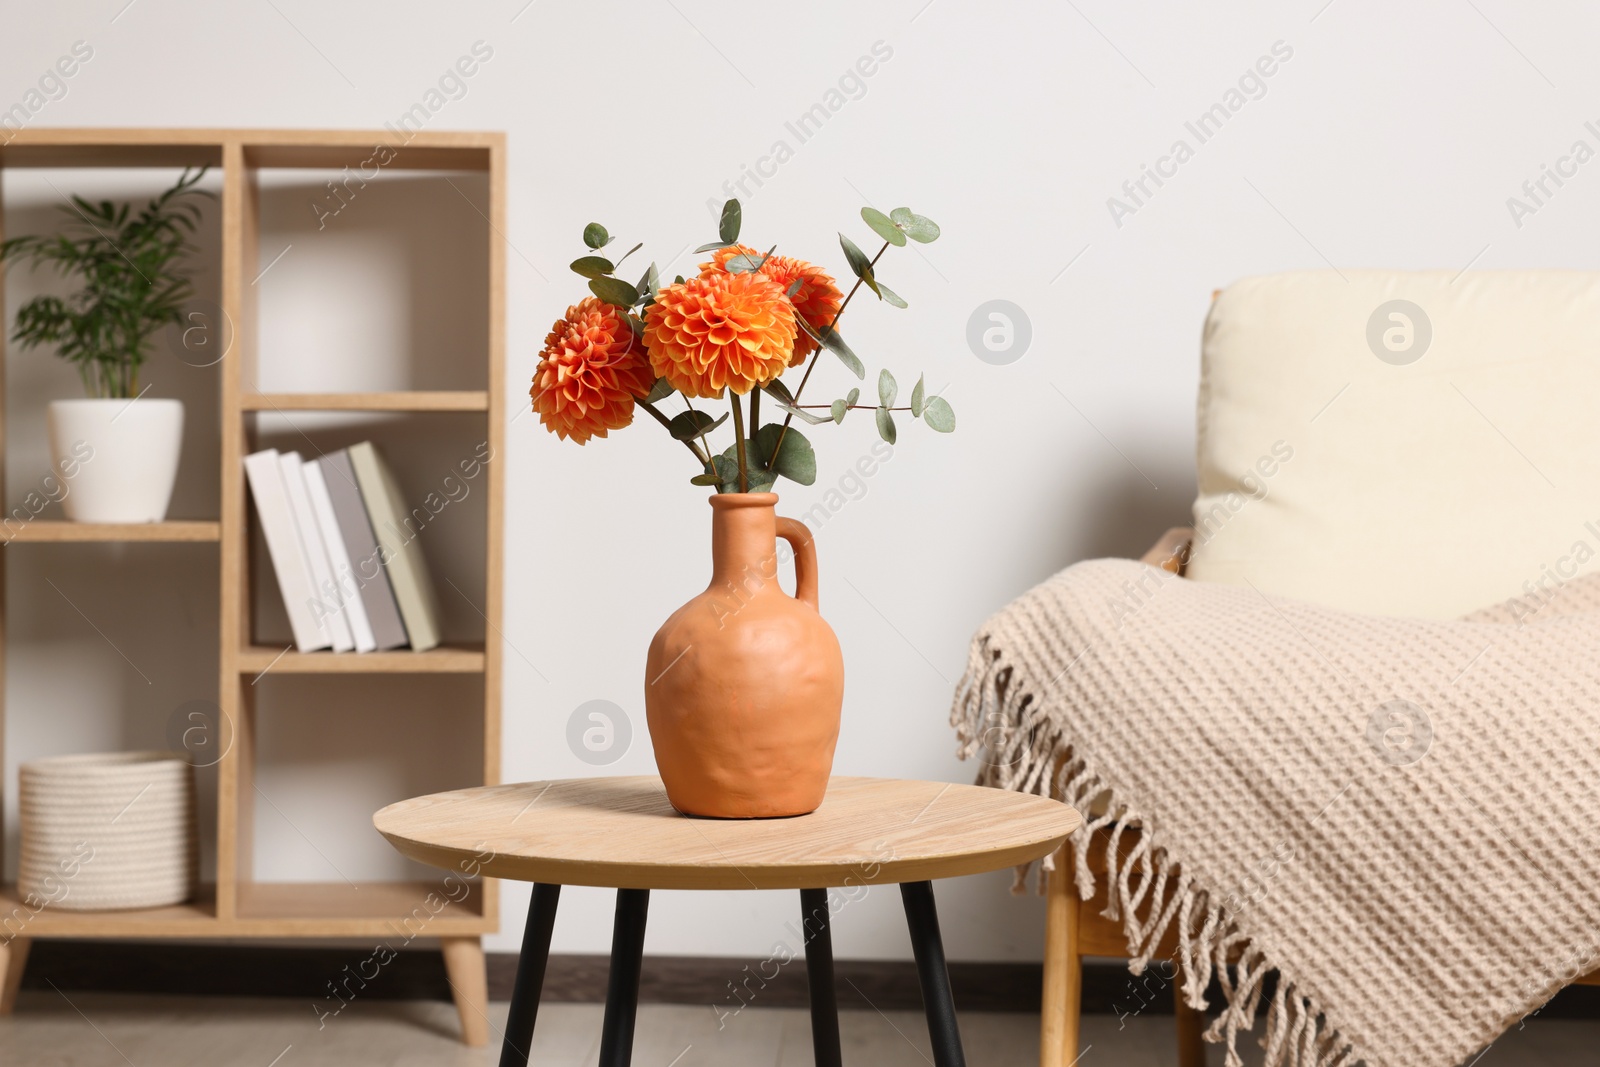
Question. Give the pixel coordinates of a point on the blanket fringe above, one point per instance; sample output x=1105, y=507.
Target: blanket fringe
x=1023, y=749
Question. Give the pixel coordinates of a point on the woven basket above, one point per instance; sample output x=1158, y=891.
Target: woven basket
x=108, y=831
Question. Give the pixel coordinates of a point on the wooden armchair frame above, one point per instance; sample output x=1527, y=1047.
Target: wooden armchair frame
x=1075, y=928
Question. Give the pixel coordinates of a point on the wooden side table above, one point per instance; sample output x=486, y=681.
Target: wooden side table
x=623, y=834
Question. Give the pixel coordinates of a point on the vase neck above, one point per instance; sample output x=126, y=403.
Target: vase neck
x=744, y=540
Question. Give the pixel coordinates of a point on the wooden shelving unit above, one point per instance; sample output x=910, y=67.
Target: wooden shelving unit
x=237, y=905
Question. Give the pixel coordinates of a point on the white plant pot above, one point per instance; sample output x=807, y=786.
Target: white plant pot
x=107, y=831
x=117, y=458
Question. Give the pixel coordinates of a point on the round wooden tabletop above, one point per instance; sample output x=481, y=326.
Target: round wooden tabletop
x=622, y=833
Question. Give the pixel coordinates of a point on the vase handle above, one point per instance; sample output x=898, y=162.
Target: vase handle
x=798, y=534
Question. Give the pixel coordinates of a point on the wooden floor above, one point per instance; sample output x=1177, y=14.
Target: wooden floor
x=128, y=1031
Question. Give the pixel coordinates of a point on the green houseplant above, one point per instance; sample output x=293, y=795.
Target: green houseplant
x=131, y=266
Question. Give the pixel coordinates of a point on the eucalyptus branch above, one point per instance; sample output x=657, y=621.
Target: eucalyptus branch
x=806, y=377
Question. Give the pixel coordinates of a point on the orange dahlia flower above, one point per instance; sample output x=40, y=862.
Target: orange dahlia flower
x=721, y=330
x=591, y=369
x=817, y=300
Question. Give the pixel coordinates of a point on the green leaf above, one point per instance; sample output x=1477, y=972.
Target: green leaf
x=595, y=235
x=885, y=425
x=757, y=479
x=692, y=425
x=938, y=415
x=796, y=461
x=593, y=266
x=883, y=226
x=728, y=225
x=840, y=409
x=799, y=412
x=615, y=291
x=744, y=264
x=829, y=338
x=836, y=345
x=651, y=281
x=631, y=251
x=852, y=396
x=659, y=391
x=778, y=390
x=859, y=263
x=711, y=246
x=794, y=287
x=917, y=227
x=888, y=389
x=706, y=479
x=889, y=296
x=916, y=397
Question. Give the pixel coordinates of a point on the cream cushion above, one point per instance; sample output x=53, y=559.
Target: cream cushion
x=1338, y=466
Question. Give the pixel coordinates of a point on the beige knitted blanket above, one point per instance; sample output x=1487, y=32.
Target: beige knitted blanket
x=1397, y=816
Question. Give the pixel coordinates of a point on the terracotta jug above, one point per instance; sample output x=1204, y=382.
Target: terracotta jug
x=744, y=683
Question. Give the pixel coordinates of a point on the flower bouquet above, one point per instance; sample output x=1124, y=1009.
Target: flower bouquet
x=744, y=683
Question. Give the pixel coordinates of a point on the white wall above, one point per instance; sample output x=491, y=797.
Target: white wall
x=1390, y=137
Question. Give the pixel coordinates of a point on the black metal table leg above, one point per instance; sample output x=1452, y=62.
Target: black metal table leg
x=622, y=990
x=819, y=974
x=530, y=975
x=923, y=920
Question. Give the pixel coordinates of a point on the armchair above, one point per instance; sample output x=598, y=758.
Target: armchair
x=1384, y=443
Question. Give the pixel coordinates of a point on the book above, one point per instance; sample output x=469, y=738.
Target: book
x=399, y=551
x=361, y=549
x=343, y=588
x=324, y=607
x=265, y=475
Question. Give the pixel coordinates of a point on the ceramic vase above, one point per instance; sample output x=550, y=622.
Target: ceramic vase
x=744, y=683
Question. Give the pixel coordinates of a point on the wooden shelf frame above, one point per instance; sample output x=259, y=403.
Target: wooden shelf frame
x=237, y=905
x=57, y=532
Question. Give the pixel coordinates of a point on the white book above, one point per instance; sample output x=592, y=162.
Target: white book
x=323, y=607
x=265, y=474
x=345, y=588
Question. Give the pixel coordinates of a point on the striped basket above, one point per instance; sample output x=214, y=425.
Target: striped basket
x=107, y=831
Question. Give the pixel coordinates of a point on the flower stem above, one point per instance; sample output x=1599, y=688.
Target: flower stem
x=787, y=419
x=738, y=439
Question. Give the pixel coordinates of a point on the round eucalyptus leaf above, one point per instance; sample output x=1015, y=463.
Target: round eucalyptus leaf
x=795, y=459
x=916, y=397
x=615, y=291
x=885, y=425
x=593, y=266
x=883, y=226
x=938, y=415
x=595, y=235
x=919, y=228
x=888, y=388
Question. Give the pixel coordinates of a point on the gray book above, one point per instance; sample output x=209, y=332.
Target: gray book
x=371, y=580
x=396, y=531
